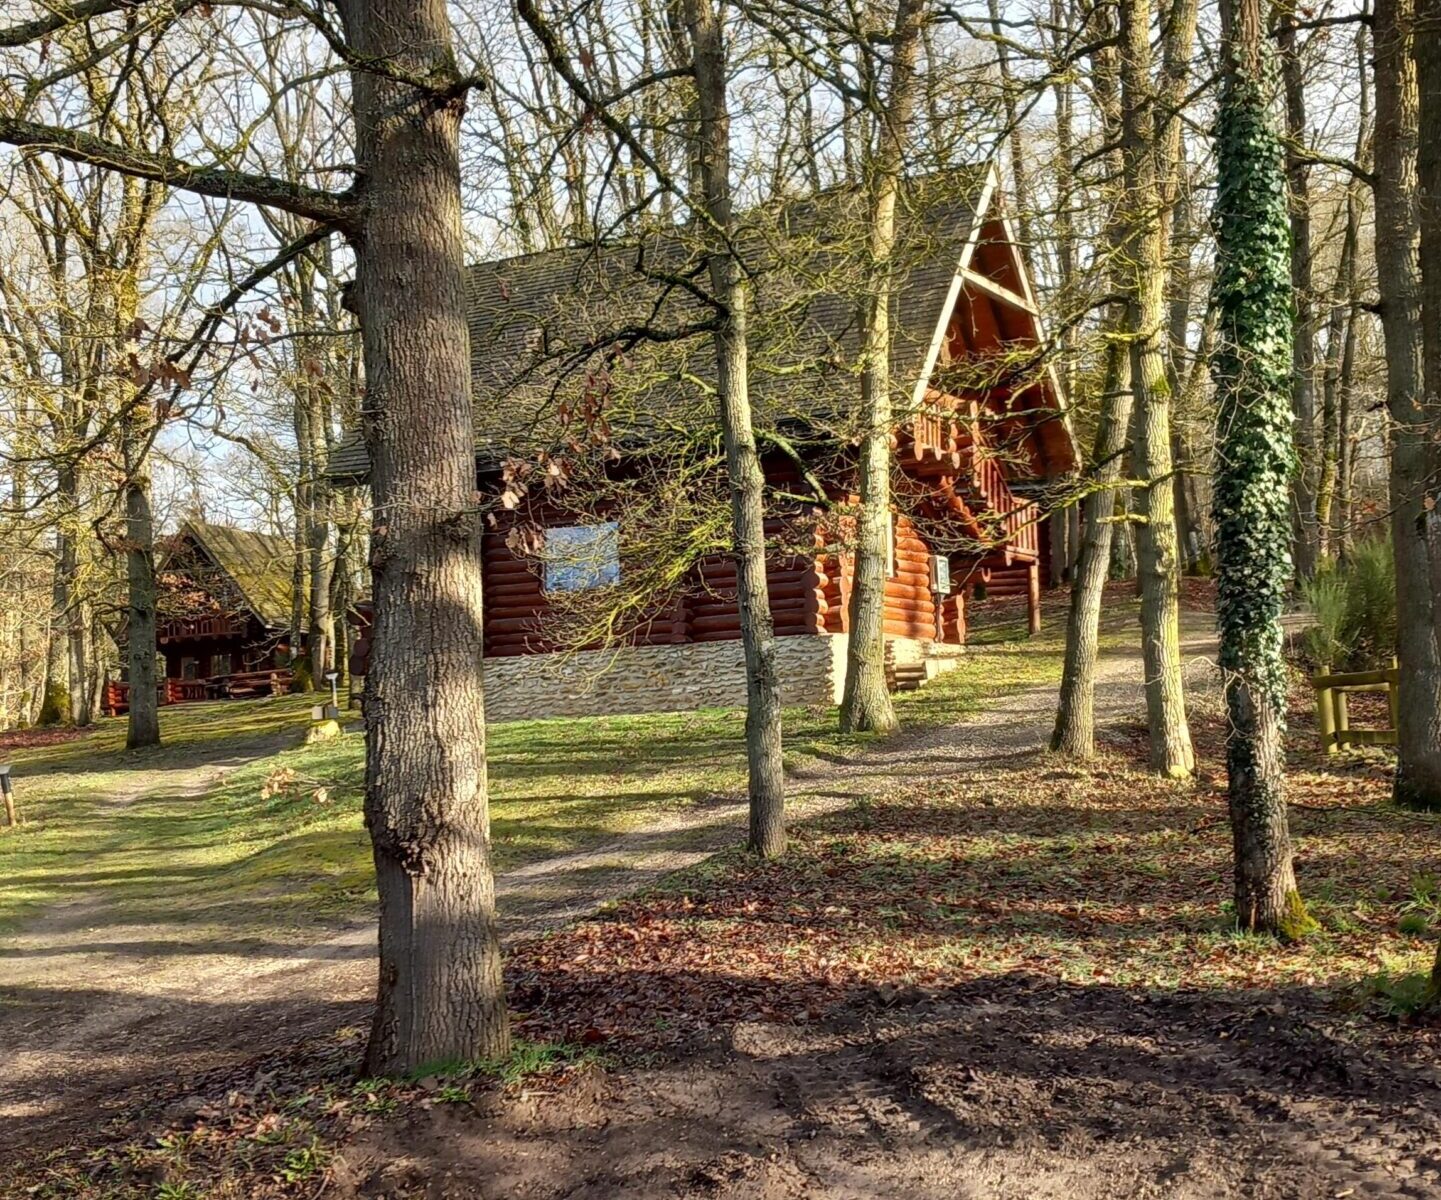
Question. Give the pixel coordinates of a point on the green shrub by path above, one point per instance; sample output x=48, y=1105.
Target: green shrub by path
x=1354, y=606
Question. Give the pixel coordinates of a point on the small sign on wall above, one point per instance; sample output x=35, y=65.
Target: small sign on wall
x=940, y=574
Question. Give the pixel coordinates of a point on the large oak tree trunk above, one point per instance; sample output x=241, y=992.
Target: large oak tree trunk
x=441, y=995
x=1413, y=457
x=866, y=702
x=1255, y=457
x=743, y=466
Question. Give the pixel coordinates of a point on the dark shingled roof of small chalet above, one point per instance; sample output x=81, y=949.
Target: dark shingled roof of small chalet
x=542, y=325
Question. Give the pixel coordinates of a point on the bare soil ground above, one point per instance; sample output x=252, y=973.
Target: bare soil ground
x=779, y=1032
x=1010, y=1087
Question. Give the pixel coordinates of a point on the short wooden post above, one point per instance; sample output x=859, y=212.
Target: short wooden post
x=1341, y=713
x=1324, y=722
x=1033, y=597
x=1393, y=698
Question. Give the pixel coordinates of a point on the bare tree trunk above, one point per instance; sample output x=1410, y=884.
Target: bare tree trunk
x=321, y=622
x=1266, y=898
x=866, y=702
x=1179, y=245
x=1144, y=284
x=1418, y=765
x=1425, y=517
x=1075, y=732
x=1303, y=344
x=743, y=466
x=55, y=701
x=299, y=567
x=1337, y=336
x=1057, y=531
x=1015, y=137
x=1345, y=438
x=1344, y=442
x=140, y=647
x=441, y=995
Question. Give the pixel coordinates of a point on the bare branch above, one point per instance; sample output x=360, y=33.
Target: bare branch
x=316, y=204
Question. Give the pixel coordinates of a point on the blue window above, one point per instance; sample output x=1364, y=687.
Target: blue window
x=578, y=557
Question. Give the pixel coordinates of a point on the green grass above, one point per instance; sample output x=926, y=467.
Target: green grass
x=279, y=840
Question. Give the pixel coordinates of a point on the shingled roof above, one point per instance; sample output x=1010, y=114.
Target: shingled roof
x=544, y=327
x=258, y=564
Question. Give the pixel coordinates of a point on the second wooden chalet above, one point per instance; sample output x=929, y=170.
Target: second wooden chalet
x=223, y=615
x=593, y=374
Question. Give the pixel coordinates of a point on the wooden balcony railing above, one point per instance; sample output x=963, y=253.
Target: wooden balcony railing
x=222, y=625
x=1018, y=519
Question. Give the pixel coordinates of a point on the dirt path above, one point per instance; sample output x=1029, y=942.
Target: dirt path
x=95, y=1015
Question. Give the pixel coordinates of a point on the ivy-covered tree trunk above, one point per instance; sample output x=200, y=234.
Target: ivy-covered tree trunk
x=1255, y=458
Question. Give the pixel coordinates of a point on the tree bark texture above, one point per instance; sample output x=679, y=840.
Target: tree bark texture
x=743, y=466
x=1338, y=334
x=1143, y=271
x=1413, y=454
x=1075, y=732
x=441, y=995
x=1266, y=896
x=55, y=697
x=1417, y=500
x=1303, y=338
x=866, y=701
x=70, y=611
x=143, y=728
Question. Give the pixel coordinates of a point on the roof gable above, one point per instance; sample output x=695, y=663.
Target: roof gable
x=622, y=326
x=259, y=566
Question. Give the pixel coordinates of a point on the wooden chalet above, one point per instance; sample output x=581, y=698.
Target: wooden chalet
x=980, y=430
x=224, y=616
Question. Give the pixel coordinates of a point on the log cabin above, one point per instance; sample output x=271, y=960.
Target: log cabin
x=605, y=354
x=223, y=616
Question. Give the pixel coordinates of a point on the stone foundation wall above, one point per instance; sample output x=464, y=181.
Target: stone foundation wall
x=641, y=679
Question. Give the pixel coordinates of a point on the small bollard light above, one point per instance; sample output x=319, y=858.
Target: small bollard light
x=325, y=718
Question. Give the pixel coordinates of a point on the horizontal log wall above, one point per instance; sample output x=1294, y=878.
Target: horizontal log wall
x=516, y=607
x=809, y=592
x=910, y=603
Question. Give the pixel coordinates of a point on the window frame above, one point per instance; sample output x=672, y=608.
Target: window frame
x=593, y=573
